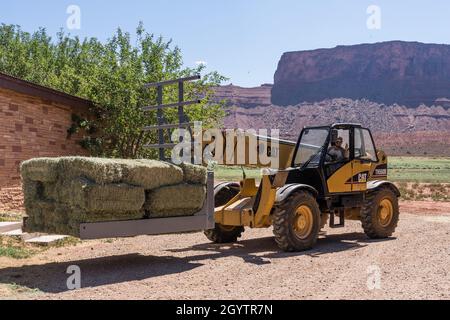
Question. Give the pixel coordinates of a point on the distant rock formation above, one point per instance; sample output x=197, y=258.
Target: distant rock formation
x=245, y=97
x=407, y=73
x=401, y=130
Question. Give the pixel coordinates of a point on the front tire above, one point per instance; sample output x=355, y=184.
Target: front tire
x=221, y=233
x=380, y=214
x=224, y=234
x=297, y=222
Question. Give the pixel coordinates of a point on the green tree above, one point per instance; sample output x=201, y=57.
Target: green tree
x=111, y=75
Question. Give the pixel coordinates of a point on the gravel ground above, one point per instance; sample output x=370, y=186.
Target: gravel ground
x=415, y=264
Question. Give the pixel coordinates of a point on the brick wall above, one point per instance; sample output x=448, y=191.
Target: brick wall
x=31, y=127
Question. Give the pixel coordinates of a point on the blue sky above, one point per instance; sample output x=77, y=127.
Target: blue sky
x=244, y=39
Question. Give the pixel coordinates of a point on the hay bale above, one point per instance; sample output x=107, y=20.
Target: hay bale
x=62, y=193
x=95, y=198
x=31, y=191
x=41, y=169
x=171, y=201
x=59, y=218
x=49, y=191
x=148, y=174
x=194, y=174
x=101, y=171
x=151, y=174
x=39, y=216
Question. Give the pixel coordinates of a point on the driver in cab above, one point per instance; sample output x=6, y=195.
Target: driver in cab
x=337, y=152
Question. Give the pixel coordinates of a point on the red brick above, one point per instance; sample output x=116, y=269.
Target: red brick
x=48, y=124
x=13, y=107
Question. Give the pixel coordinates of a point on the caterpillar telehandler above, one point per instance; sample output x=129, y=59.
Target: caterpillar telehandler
x=313, y=187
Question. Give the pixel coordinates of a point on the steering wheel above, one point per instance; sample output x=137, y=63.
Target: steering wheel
x=332, y=157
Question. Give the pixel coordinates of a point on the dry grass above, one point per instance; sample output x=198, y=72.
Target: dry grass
x=424, y=191
x=15, y=248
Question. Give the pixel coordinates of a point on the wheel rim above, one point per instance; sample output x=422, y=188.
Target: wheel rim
x=226, y=228
x=303, y=222
x=385, y=212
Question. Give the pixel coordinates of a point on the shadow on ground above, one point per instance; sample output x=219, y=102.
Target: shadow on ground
x=261, y=250
x=52, y=277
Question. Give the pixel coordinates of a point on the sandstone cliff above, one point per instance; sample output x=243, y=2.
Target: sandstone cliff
x=407, y=73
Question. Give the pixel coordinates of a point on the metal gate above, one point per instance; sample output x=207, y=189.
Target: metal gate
x=183, y=120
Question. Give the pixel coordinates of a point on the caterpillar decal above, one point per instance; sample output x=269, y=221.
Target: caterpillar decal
x=361, y=177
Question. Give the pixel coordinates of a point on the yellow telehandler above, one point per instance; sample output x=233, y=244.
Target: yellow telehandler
x=332, y=173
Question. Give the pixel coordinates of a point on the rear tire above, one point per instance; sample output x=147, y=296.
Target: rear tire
x=380, y=214
x=297, y=222
x=221, y=233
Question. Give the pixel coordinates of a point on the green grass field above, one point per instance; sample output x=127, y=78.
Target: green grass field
x=401, y=169
x=419, y=169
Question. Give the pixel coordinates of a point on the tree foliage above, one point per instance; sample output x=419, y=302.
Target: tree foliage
x=111, y=75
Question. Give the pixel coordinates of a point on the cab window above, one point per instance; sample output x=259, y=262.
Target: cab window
x=364, y=147
x=311, y=146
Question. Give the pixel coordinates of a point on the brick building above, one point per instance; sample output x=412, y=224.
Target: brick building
x=33, y=123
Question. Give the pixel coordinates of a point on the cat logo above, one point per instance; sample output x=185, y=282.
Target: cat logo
x=362, y=177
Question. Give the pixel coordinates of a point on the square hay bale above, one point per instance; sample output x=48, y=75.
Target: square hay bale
x=58, y=218
x=94, y=198
x=41, y=169
x=151, y=174
x=194, y=174
x=172, y=201
x=32, y=190
x=101, y=171
x=39, y=216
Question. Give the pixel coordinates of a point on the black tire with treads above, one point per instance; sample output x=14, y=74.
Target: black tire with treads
x=370, y=210
x=224, y=234
x=283, y=222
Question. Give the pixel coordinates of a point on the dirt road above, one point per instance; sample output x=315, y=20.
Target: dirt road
x=413, y=264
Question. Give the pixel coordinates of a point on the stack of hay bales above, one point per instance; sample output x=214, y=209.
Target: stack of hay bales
x=62, y=193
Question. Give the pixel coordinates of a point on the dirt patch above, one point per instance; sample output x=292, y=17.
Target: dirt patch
x=425, y=207
x=414, y=264
x=11, y=199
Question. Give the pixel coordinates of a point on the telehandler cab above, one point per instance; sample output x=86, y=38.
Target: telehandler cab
x=320, y=182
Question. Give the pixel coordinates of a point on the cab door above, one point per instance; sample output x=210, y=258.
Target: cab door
x=339, y=173
x=364, y=157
